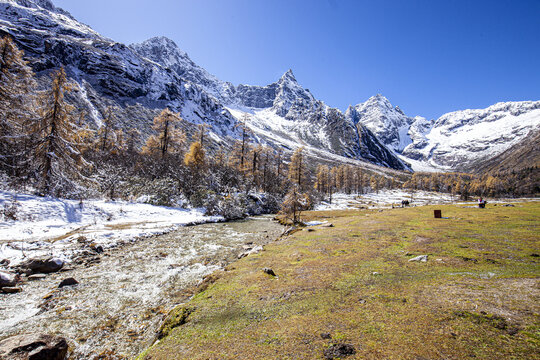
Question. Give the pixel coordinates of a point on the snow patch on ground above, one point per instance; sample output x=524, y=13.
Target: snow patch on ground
x=384, y=199
x=57, y=227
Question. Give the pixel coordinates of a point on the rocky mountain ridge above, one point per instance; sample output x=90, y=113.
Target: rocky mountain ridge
x=456, y=140
x=461, y=138
x=140, y=79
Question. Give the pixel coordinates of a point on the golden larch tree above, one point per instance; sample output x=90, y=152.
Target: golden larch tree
x=57, y=154
x=169, y=139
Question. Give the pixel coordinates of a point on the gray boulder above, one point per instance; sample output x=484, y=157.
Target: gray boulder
x=68, y=282
x=7, y=279
x=41, y=265
x=34, y=347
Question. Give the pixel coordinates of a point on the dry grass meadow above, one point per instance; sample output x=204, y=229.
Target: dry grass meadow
x=477, y=296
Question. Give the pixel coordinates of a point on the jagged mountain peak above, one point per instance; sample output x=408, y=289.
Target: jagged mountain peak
x=165, y=52
x=162, y=50
x=387, y=122
x=40, y=5
x=159, y=40
x=45, y=4
x=290, y=93
x=379, y=101
x=288, y=76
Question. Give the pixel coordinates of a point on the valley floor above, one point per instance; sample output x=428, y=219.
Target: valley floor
x=34, y=226
x=352, y=291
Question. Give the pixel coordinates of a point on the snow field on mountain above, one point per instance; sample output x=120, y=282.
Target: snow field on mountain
x=51, y=226
x=482, y=139
x=273, y=129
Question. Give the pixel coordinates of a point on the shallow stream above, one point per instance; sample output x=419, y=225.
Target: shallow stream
x=124, y=293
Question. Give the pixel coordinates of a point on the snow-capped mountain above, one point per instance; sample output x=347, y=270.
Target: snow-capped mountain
x=167, y=54
x=282, y=113
x=388, y=123
x=456, y=140
x=141, y=79
x=107, y=72
x=460, y=138
x=289, y=114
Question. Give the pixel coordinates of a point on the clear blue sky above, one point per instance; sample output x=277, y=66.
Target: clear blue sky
x=427, y=56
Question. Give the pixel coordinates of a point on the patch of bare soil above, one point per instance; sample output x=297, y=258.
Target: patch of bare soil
x=517, y=300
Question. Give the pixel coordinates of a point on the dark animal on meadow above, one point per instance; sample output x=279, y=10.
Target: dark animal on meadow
x=404, y=203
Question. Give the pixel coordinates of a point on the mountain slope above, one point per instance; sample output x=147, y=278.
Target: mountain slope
x=141, y=79
x=108, y=73
x=291, y=115
x=388, y=123
x=282, y=113
x=461, y=138
x=524, y=154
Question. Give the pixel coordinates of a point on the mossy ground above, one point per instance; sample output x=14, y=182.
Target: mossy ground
x=478, y=296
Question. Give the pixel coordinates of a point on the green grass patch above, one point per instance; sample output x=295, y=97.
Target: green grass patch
x=477, y=296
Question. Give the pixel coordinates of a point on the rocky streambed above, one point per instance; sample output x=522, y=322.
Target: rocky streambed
x=114, y=301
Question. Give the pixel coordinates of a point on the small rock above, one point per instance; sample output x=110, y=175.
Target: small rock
x=289, y=231
x=422, y=258
x=98, y=248
x=37, y=277
x=68, y=282
x=326, y=336
x=309, y=230
x=255, y=250
x=512, y=331
x=4, y=262
x=339, y=351
x=534, y=255
x=11, y=290
x=375, y=273
x=34, y=347
x=362, y=301
x=329, y=225
x=269, y=271
x=508, y=205
x=7, y=279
